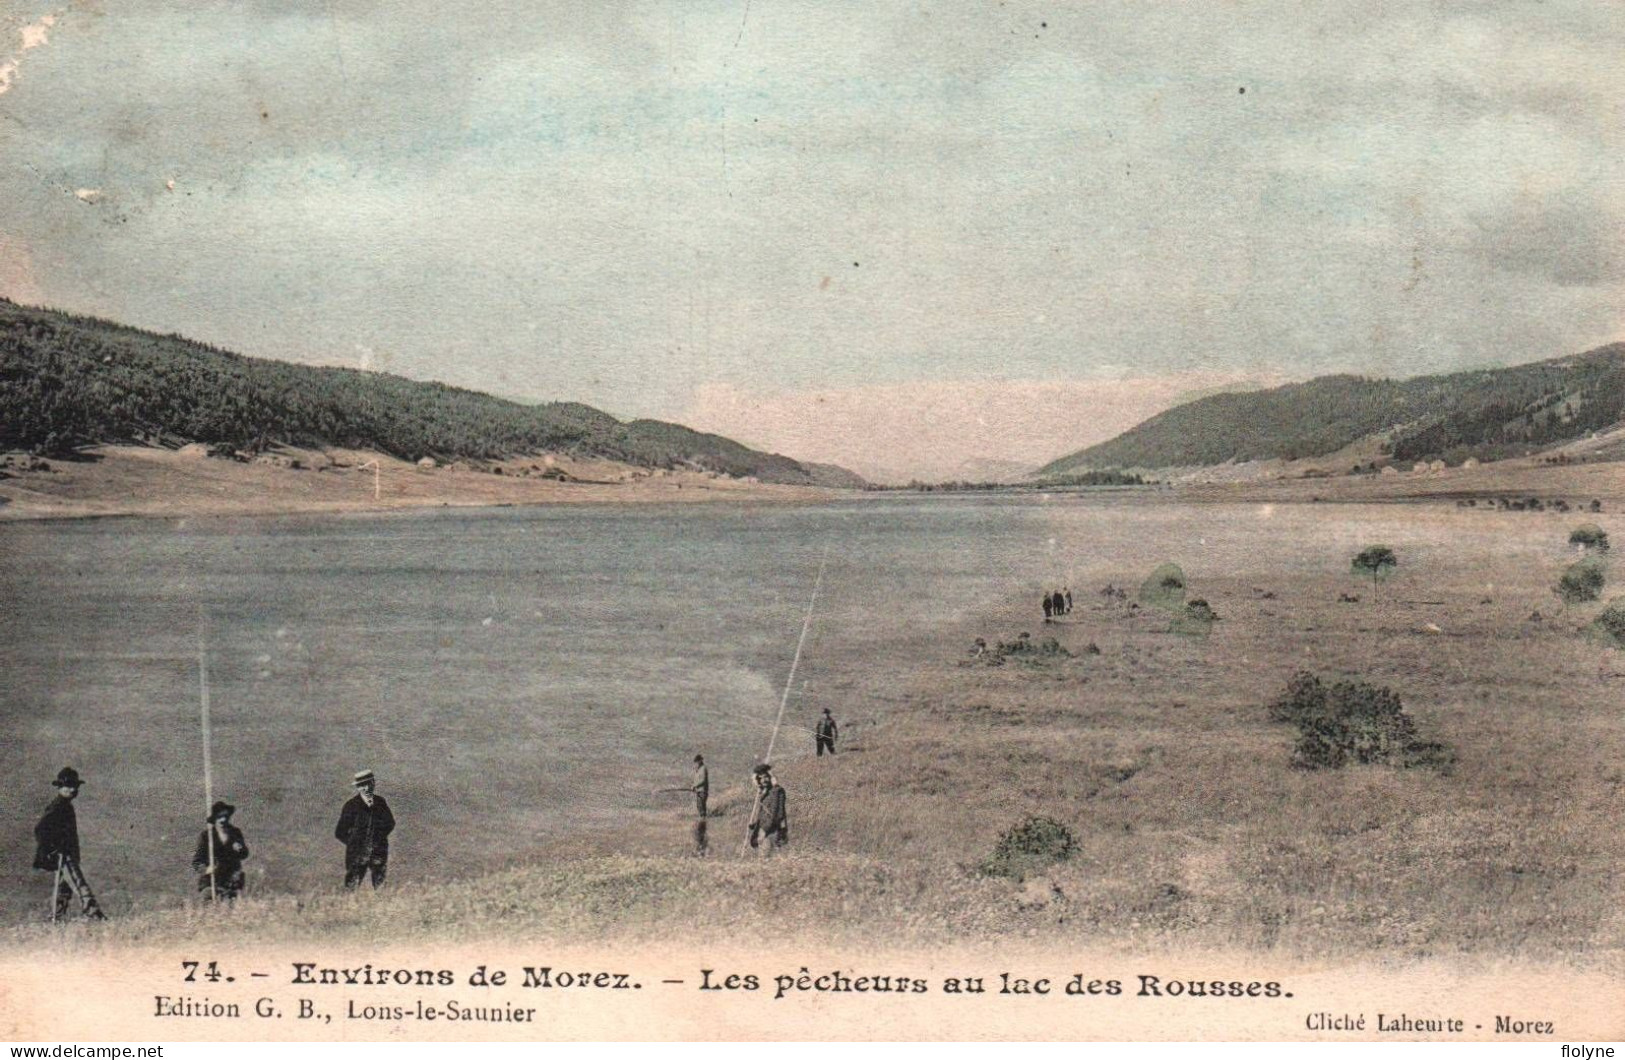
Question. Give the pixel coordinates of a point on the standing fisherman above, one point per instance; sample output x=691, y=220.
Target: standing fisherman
x=226, y=859
x=1049, y=607
x=825, y=734
x=58, y=851
x=702, y=792
x=768, y=820
x=702, y=785
x=364, y=827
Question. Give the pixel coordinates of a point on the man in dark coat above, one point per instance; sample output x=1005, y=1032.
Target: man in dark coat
x=1049, y=606
x=702, y=785
x=364, y=827
x=824, y=735
x=229, y=853
x=57, y=836
x=768, y=820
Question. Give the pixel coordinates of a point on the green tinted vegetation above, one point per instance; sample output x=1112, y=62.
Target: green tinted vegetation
x=71, y=381
x=1485, y=414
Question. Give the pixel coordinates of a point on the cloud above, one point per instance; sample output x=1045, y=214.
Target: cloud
x=622, y=202
x=1569, y=242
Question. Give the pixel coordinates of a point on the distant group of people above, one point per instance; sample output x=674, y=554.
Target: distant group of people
x=364, y=827
x=1057, y=603
x=768, y=827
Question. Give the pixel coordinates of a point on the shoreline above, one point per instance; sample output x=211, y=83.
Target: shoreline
x=131, y=482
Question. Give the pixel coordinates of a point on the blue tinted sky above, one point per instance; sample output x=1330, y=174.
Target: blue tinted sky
x=1010, y=228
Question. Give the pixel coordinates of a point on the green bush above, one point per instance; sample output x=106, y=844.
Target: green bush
x=1590, y=536
x=1581, y=583
x=1610, y=625
x=1034, y=844
x=1351, y=721
x=1165, y=588
x=1304, y=697
x=1195, y=620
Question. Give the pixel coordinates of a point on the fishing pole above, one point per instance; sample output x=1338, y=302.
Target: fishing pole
x=790, y=679
x=208, y=766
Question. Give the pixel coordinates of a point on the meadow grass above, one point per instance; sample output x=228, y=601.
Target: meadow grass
x=1158, y=754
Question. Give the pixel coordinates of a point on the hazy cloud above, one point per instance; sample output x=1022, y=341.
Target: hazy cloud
x=624, y=203
x=1565, y=242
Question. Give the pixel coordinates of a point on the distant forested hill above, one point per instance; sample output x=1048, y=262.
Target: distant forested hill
x=1488, y=414
x=67, y=381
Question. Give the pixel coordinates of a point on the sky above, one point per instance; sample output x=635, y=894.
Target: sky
x=910, y=238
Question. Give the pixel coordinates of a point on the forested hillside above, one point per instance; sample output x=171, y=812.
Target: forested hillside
x=1487, y=414
x=70, y=381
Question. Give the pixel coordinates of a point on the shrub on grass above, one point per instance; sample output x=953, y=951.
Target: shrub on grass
x=1590, y=537
x=1351, y=721
x=1196, y=620
x=1023, y=649
x=1026, y=646
x=1610, y=625
x=1304, y=696
x=1165, y=588
x=1034, y=844
x=1581, y=583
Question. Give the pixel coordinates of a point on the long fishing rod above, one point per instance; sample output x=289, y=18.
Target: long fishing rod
x=790, y=678
x=208, y=765
x=789, y=681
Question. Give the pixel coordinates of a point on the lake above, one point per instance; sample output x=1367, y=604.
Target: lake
x=521, y=679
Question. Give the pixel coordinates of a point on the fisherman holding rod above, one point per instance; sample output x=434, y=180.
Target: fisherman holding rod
x=221, y=851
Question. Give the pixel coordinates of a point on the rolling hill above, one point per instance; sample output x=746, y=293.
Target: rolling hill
x=68, y=381
x=1488, y=414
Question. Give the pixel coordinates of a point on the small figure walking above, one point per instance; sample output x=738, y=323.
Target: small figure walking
x=1057, y=603
x=1049, y=607
x=1067, y=593
x=364, y=827
x=226, y=881
x=768, y=820
x=702, y=785
x=825, y=734
x=57, y=852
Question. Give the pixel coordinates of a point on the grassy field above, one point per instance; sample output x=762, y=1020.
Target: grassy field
x=1193, y=827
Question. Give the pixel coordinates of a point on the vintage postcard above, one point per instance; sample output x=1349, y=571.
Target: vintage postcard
x=811, y=520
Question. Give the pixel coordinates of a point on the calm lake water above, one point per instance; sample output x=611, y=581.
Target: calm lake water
x=518, y=678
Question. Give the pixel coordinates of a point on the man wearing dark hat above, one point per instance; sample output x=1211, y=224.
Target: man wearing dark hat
x=702, y=785
x=824, y=735
x=768, y=819
x=58, y=851
x=229, y=852
x=364, y=827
